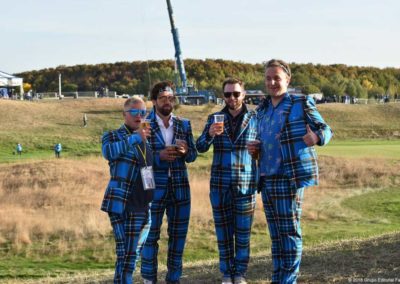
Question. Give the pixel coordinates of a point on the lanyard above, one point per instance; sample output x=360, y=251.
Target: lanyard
x=143, y=153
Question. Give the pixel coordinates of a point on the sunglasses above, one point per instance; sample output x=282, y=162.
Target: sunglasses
x=167, y=89
x=135, y=112
x=229, y=94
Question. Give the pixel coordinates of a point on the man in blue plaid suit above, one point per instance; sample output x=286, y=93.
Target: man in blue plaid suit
x=173, y=146
x=129, y=192
x=289, y=126
x=233, y=179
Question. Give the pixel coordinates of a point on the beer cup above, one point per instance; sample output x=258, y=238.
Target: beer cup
x=255, y=143
x=219, y=119
x=145, y=124
x=219, y=122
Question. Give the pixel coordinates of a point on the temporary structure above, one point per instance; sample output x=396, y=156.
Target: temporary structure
x=8, y=80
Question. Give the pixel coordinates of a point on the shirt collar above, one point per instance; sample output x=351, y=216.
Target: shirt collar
x=161, y=122
x=267, y=101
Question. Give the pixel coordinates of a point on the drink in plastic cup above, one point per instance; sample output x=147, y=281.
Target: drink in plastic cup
x=145, y=123
x=255, y=142
x=219, y=119
x=171, y=146
x=219, y=122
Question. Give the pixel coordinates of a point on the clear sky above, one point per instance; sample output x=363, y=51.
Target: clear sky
x=38, y=34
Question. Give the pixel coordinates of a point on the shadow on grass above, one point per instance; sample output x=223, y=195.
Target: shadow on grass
x=353, y=261
x=66, y=124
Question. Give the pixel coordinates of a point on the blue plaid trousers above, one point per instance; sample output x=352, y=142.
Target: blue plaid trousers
x=178, y=213
x=233, y=216
x=130, y=232
x=282, y=207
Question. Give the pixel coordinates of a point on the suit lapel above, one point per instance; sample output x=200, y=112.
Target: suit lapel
x=155, y=129
x=287, y=105
x=243, y=126
x=177, y=128
x=124, y=131
x=227, y=126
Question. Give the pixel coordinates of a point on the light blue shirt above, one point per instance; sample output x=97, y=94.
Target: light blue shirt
x=269, y=132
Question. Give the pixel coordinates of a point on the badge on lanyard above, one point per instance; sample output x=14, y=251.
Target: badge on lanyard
x=146, y=172
x=147, y=178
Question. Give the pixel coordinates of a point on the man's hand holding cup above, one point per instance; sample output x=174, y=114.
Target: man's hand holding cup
x=169, y=153
x=253, y=147
x=182, y=147
x=217, y=128
x=145, y=129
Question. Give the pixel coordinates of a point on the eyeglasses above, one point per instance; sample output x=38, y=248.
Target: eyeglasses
x=164, y=99
x=135, y=112
x=229, y=94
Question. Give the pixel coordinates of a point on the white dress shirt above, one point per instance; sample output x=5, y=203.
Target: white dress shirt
x=167, y=133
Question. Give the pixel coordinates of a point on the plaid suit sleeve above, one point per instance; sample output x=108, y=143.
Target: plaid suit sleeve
x=204, y=142
x=192, y=151
x=316, y=122
x=113, y=147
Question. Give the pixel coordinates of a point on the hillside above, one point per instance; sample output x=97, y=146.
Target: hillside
x=39, y=125
x=133, y=77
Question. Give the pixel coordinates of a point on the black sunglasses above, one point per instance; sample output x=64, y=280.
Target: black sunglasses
x=229, y=94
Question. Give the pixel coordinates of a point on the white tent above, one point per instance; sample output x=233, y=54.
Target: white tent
x=8, y=80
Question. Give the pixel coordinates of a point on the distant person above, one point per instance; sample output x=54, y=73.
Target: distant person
x=18, y=149
x=289, y=126
x=233, y=181
x=130, y=189
x=173, y=146
x=85, y=120
x=57, y=150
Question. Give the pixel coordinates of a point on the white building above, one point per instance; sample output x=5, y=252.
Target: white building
x=8, y=80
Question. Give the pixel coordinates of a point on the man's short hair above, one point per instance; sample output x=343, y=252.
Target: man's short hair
x=161, y=87
x=132, y=101
x=278, y=63
x=232, y=81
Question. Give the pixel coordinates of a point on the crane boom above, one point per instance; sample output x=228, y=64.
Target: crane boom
x=178, y=53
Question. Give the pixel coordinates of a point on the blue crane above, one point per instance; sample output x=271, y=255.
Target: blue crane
x=186, y=92
x=178, y=52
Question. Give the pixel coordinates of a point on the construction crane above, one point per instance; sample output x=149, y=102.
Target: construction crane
x=186, y=93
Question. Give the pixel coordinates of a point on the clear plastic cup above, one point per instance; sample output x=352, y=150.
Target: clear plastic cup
x=256, y=143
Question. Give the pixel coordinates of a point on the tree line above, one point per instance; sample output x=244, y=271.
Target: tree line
x=136, y=77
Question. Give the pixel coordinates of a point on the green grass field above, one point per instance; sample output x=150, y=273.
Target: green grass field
x=334, y=212
x=389, y=149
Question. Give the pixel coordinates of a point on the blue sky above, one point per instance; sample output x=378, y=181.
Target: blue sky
x=38, y=34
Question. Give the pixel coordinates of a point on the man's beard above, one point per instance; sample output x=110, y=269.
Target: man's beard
x=234, y=106
x=166, y=111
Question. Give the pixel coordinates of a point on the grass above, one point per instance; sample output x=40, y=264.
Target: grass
x=39, y=125
x=362, y=149
x=358, y=197
x=382, y=206
x=345, y=261
x=42, y=193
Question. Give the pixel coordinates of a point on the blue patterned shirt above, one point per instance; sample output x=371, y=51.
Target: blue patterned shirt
x=269, y=133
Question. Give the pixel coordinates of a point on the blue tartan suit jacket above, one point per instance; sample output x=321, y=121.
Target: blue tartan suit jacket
x=299, y=161
x=177, y=168
x=119, y=147
x=232, y=165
